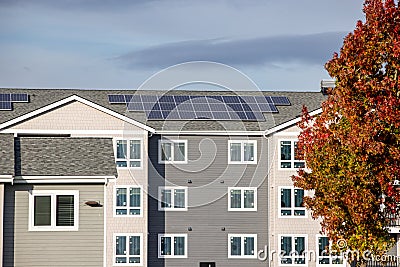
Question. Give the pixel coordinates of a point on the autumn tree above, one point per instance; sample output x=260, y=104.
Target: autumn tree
x=352, y=148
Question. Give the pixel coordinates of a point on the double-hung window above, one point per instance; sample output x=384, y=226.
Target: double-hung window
x=289, y=156
x=325, y=256
x=128, y=153
x=128, y=249
x=242, y=199
x=172, y=245
x=242, y=246
x=291, y=202
x=172, y=198
x=53, y=210
x=128, y=201
x=293, y=249
x=172, y=151
x=242, y=152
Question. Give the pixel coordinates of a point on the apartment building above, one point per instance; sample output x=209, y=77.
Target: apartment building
x=153, y=178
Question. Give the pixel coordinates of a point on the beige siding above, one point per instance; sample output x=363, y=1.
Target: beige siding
x=49, y=248
x=128, y=225
x=291, y=226
x=74, y=116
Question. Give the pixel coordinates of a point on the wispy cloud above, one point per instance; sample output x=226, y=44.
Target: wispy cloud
x=307, y=49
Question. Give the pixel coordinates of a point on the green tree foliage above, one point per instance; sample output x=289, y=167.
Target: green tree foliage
x=352, y=148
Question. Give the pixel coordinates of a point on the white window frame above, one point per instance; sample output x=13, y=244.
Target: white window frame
x=242, y=189
x=128, y=153
x=115, y=207
x=172, y=188
x=292, y=205
x=330, y=257
x=127, y=235
x=292, y=160
x=242, y=142
x=172, y=142
x=293, y=236
x=242, y=236
x=53, y=194
x=172, y=246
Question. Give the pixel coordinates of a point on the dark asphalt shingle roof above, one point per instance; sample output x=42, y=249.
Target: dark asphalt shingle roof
x=64, y=156
x=6, y=154
x=43, y=97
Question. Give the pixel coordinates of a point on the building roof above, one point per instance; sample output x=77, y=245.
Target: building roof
x=64, y=156
x=6, y=154
x=39, y=98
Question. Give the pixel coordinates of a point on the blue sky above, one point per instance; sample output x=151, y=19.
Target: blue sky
x=279, y=44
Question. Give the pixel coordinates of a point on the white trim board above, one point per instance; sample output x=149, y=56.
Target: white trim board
x=122, y=133
x=229, y=133
x=289, y=123
x=81, y=100
x=62, y=179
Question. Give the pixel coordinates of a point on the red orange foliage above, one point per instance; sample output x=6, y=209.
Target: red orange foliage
x=352, y=150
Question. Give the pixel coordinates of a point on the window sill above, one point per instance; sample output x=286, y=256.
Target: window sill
x=172, y=209
x=243, y=209
x=53, y=229
x=243, y=257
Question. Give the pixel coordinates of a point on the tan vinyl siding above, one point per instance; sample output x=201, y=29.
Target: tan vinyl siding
x=73, y=116
x=290, y=226
x=126, y=225
x=24, y=248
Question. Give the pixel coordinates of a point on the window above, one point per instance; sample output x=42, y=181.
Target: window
x=129, y=153
x=325, y=256
x=242, y=246
x=172, y=198
x=172, y=151
x=128, y=250
x=128, y=201
x=289, y=157
x=293, y=250
x=53, y=210
x=172, y=246
x=242, y=152
x=291, y=202
x=242, y=199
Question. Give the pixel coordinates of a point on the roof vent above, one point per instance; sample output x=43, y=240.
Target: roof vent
x=327, y=86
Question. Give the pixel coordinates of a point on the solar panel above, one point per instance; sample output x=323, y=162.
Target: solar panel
x=186, y=107
x=5, y=105
x=23, y=98
x=280, y=100
x=7, y=100
x=5, y=97
x=116, y=99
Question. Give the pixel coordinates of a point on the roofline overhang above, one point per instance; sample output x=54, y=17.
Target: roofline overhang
x=68, y=100
x=6, y=178
x=28, y=179
x=228, y=133
x=289, y=123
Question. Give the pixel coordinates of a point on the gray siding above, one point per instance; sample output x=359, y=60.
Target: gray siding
x=208, y=201
x=24, y=248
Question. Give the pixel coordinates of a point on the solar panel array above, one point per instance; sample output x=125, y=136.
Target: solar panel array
x=6, y=100
x=187, y=107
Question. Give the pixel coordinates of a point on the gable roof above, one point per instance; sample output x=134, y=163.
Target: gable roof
x=43, y=99
x=68, y=100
